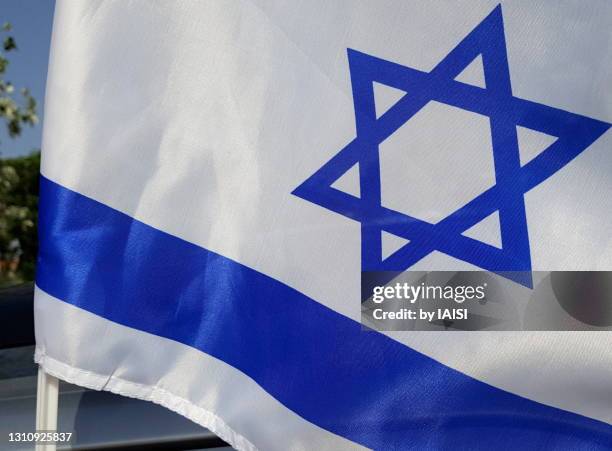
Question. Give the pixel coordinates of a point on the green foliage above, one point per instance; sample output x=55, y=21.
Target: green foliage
x=18, y=217
x=9, y=44
x=18, y=180
x=14, y=113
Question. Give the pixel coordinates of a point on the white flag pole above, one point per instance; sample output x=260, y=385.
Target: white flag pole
x=47, y=393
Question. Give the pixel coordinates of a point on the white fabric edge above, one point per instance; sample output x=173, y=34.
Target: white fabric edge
x=65, y=335
x=157, y=395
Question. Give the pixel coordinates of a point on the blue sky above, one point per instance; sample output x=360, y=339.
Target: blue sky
x=32, y=21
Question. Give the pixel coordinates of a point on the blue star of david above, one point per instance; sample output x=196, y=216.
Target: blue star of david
x=574, y=132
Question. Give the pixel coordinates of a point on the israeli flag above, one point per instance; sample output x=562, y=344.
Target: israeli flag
x=217, y=174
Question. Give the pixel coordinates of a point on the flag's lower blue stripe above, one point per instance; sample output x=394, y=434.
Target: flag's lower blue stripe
x=360, y=385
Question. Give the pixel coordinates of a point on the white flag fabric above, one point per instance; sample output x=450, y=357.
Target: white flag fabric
x=217, y=174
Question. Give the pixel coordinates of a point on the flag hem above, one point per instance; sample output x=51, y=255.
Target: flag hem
x=155, y=394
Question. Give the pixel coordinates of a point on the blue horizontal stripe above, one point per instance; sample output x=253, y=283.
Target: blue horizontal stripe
x=320, y=364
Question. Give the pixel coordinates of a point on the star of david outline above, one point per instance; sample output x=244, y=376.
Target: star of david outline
x=575, y=133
